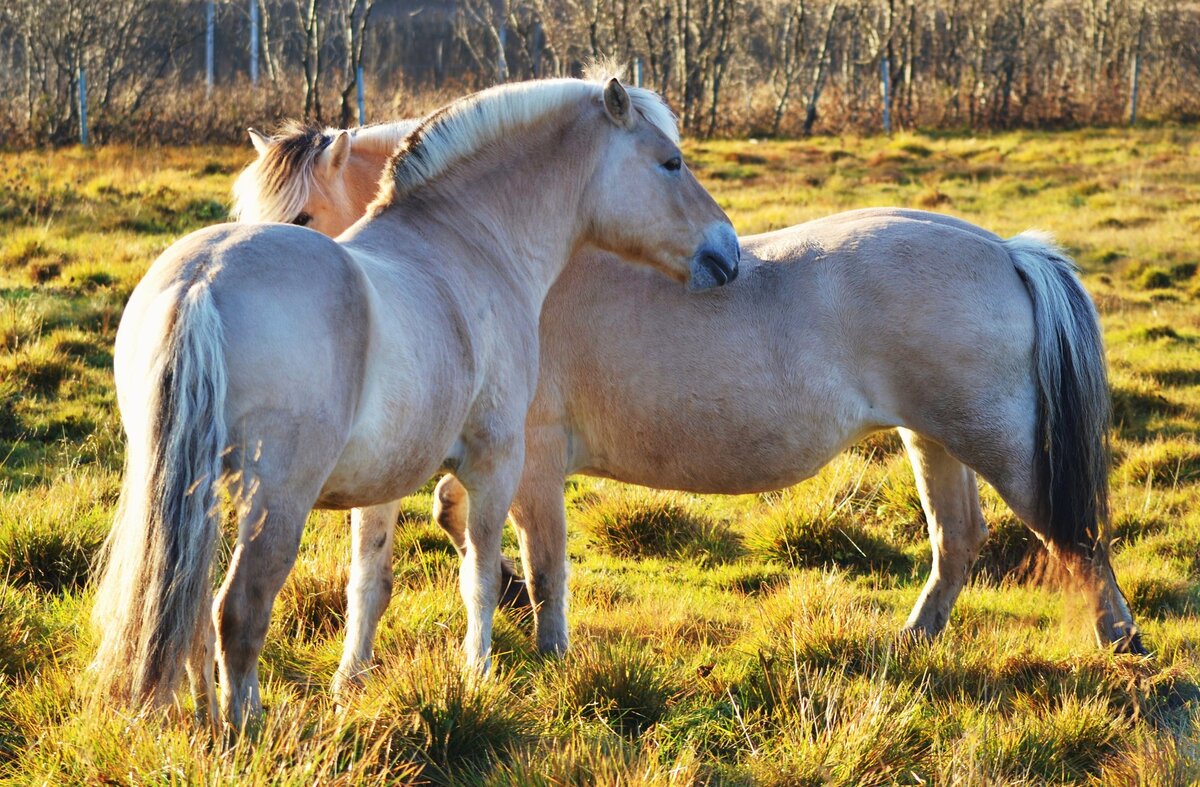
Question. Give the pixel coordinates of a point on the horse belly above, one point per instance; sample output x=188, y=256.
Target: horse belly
x=390, y=453
x=735, y=453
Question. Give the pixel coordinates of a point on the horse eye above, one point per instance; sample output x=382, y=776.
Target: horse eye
x=672, y=164
x=302, y=220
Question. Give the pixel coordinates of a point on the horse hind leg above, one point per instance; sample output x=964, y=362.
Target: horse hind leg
x=200, y=667
x=1010, y=469
x=268, y=541
x=369, y=590
x=1090, y=569
x=950, y=498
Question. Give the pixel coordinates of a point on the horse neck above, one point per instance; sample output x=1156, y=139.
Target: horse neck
x=512, y=215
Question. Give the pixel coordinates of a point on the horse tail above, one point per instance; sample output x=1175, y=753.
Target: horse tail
x=158, y=558
x=1074, y=411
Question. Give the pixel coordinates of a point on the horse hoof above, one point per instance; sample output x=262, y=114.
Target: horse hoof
x=1131, y=644
x=912, y=636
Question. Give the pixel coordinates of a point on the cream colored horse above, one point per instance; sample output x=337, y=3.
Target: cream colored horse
x=984, y=352
x=343, y=374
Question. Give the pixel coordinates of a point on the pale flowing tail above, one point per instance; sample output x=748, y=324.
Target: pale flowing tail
x=158, y=558
x=1074, y=412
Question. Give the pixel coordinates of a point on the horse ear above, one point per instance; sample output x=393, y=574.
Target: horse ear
x=616, y=103
x=261, y=142
x=334, y=156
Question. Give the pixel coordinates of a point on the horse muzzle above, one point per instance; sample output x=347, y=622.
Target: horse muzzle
x=716, y=262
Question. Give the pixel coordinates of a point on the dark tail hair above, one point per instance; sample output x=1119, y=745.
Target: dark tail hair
x=1074, y=411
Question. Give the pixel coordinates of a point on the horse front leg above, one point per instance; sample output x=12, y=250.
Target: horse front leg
x=450, y=513
x=490, y=474
x=368, y=591
x=540, y=516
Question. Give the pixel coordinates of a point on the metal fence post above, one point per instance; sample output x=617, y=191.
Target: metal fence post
x=362, y=105
x=886, y=69
x=254, y=42
x=83, y=120
x=209, y=35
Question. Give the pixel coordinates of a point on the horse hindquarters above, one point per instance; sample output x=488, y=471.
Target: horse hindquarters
x=1042, y=442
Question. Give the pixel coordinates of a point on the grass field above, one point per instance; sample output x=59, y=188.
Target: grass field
x=757, y=643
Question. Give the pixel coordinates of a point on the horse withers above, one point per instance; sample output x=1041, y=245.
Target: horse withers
x=314, y=373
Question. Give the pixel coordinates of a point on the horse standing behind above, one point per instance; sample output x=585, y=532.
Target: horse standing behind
x=985, y=353
x=343, y=374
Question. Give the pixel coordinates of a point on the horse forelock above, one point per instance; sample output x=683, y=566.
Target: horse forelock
x=466, y=126
x=276, y=186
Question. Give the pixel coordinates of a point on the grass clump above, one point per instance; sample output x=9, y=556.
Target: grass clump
x=1138, y=405
x=1154, y=278
x=847, y=730
x=802, y=538
x=580, y=760
x=54, y=560
x=1162, y=463
x=312, y=603
x=1010, y=552
x=20, y=634
x=1068, y=741
x=621, y=684
x=39, y=370
x=645, y=523
x=454, y=724
x=11, y=426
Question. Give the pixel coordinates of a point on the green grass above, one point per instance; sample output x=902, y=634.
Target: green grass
x=723, y=640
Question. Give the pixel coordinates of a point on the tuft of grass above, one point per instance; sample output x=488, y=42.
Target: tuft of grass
x=1138, y=405
x=39, y=369
x=312, y=604
x=1164, y=462
x=580, y=760
x=454, y=724
x=622, y=684
x=57, y=560
x=840, y=729
x=1042, y=742
x=21, y=630
x=1010, y=552
x=648, y=523
x=1155, y=589
x=1154, y=278
x=11, y=427
x=803, y=538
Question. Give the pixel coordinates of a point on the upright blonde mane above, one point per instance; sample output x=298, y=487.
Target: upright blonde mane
x=470, y=124
x=277, y=185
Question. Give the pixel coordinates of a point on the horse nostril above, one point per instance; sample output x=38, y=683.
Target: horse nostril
x=722, y=270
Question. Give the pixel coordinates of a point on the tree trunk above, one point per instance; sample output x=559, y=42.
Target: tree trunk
x=818, y=84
